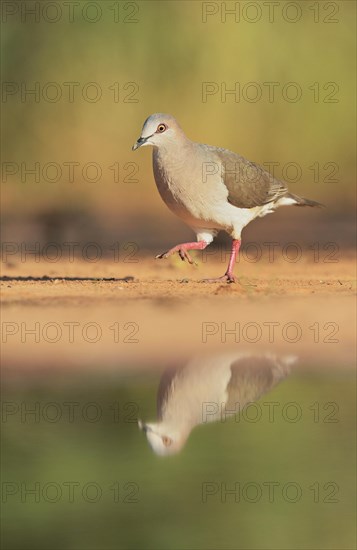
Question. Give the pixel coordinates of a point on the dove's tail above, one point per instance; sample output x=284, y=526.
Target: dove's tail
x=301, y=201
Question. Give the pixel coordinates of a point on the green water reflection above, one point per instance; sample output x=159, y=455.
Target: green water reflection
x=236, y=484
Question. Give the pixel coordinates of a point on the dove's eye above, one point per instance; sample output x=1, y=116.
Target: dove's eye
x=167, y=441
x=161, y=128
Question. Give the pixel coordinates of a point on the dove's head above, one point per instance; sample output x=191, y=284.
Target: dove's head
x=159, y=130
x=163, y=439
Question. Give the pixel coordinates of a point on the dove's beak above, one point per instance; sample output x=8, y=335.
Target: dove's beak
x=144, y=427
x=140, y=142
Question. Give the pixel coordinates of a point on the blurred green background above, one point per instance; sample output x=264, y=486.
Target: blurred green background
x=166, y=51
x=157, y=55
x=167, y=511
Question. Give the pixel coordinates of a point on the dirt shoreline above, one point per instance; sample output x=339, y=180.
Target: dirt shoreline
x=164, y=313
x=40, y=283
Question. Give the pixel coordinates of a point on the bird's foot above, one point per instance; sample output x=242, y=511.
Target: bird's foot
x=226, y=278
x=182, y=251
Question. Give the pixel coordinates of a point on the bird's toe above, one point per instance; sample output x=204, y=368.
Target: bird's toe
x=226, y=278
x=184, y=255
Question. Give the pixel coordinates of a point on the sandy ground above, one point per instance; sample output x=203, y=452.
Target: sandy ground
x=39, y=283
x=82, y=314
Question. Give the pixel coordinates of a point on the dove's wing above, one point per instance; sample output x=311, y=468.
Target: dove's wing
x=252, y=377
x=248, y=184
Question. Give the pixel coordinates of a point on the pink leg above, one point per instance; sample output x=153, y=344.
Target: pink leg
x=228, y=276
x=235, y=249
x=182, y=249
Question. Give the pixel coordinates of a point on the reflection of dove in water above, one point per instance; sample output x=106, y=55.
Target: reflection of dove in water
x=219, y=384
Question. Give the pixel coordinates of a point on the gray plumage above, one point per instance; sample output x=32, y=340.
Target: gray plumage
x=249, y=184
x=210, y=188
x=208, y=389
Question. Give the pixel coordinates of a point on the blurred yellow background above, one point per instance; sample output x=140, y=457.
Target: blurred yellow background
x=79, y=79
x=100, y=75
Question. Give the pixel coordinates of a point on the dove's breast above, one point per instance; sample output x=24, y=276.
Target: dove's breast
x=183, y=188
x=168, y=178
